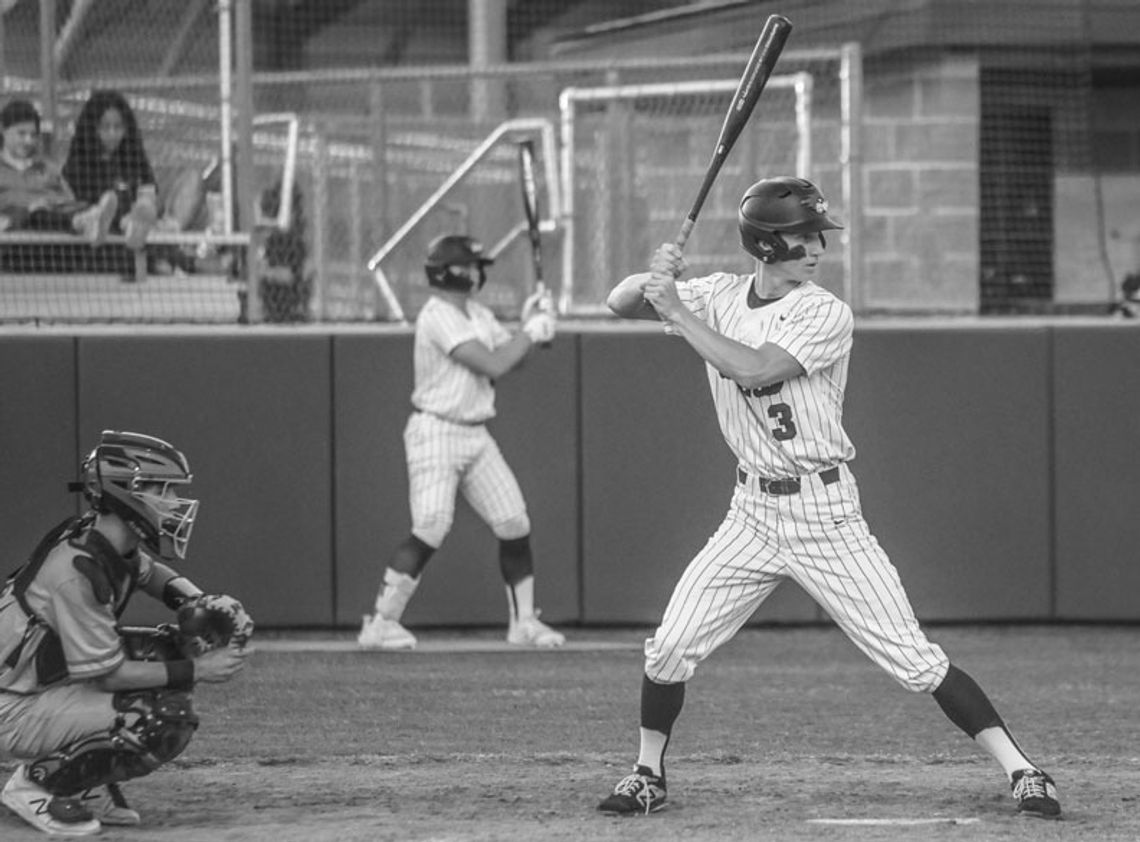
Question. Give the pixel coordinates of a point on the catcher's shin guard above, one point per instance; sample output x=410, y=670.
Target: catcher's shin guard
x=153, y=727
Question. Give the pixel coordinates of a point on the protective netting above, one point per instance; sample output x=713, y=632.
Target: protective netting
x=992, y=166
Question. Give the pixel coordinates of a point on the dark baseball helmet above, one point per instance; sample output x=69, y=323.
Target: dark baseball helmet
x=129, y=475
x=455, y=250
x=782, y=205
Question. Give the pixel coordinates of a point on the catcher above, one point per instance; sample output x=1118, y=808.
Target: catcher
x=86, y=703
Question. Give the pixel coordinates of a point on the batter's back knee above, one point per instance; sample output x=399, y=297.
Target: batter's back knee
x=512, y=528
x=922, y=680
x=151, y=728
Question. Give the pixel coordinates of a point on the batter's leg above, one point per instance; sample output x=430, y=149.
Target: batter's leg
x=720, y=589
x=660, y=706
x=491, y=488
x=402, y=577
x=847, y=572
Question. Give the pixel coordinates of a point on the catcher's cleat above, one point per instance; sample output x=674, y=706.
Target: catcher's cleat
x=531, y=631
x=379, y=633
x=642, y=792
x=53, y=815
x=1036, y=794
x=109, y=806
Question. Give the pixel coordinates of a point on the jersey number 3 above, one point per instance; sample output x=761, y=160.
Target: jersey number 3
x=784, y=427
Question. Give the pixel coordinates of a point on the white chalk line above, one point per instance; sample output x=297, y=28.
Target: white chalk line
x=895, y=822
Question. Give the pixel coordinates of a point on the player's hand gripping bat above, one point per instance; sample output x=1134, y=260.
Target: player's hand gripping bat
x=755, y=77
x=530, y=205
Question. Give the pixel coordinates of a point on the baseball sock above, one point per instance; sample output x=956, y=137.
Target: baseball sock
x=394, y=595
x=968, y=707
x=1004, y=749
x=660, y=706
x=520, y=598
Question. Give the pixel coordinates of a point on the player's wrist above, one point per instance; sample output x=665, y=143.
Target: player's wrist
x=179, y=674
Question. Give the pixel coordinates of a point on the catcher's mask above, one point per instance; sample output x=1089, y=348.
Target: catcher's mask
x=783, y=205
x=455, y=250
x=136, y=477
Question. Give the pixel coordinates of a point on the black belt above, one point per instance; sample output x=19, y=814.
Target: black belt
x=451, y=420
x=785, y=486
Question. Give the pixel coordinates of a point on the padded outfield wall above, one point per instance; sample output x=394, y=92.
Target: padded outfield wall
x=998, y=465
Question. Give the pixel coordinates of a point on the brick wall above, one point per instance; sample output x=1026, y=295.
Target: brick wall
x=921, y=185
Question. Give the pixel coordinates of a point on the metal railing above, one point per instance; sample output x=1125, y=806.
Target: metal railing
x=509, y=129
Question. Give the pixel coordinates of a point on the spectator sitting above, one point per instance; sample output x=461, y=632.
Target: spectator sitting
x=107, y=153
x=33, y=192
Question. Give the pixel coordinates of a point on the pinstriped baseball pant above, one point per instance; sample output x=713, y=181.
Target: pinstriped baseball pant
x=818, y=539
x=443, y=458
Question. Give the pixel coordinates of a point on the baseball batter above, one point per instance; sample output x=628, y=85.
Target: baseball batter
x=776, y=348
x=84, y=702
x=460, y=350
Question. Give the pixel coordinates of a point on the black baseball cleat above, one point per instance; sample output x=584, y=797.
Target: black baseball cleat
x=1036, y=794
x=642, y=792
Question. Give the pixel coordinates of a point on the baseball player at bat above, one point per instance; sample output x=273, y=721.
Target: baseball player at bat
x=84, y=702
x=460, y=350
x=776, y=348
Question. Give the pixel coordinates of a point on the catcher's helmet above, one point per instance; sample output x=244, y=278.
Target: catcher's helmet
x=455, y=250
x=781, y=205
x=114, y=475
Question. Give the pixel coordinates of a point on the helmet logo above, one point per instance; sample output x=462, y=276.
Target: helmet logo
x=819, y=205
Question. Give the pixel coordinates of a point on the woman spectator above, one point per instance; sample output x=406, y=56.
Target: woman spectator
x=107, y=154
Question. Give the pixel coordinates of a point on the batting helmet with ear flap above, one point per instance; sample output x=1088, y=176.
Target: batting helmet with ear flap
x=455, y=250
x=130, y=475
x=782, y=205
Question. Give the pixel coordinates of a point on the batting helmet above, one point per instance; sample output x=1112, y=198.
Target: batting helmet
x=782, y=205
x=118, y=477
x=455, y=250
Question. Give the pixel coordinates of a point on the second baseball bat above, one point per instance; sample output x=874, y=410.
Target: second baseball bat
x=530, y=205
x=764, y=55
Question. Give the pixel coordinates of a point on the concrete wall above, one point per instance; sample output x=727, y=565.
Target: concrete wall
x=997, y=465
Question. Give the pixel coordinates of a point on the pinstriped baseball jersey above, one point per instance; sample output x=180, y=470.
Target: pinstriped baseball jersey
x=447, y=447
x=812, y=530
x=792, y=428
x=444, y=387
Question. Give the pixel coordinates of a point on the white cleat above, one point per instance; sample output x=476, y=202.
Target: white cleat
x=53, y=815
x=531, y=631
x=379, y=633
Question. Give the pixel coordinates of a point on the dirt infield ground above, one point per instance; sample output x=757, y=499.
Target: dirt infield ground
x=787, y=734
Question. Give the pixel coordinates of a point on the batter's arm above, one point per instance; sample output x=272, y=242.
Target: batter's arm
x=752, y=368
x=492, y=363
x=627, y=299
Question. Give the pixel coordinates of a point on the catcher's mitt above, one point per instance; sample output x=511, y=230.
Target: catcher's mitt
x=211, y=621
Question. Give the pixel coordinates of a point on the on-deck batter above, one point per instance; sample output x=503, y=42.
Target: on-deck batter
x=776, y=348
x=460, y=349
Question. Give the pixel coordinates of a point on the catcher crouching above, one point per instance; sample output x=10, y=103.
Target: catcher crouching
x=86, y=703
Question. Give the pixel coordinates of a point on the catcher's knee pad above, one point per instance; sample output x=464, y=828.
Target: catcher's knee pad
x=152, y=728
x=512, y=528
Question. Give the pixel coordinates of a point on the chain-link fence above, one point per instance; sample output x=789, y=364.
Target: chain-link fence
x=982, y=166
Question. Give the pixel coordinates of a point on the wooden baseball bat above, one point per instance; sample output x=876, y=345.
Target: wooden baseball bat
x=764, y=55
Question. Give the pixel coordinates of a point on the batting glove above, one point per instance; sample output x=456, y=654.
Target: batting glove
x=539, y=328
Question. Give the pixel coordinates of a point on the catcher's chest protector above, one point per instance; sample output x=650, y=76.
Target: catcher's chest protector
x=26, y=641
